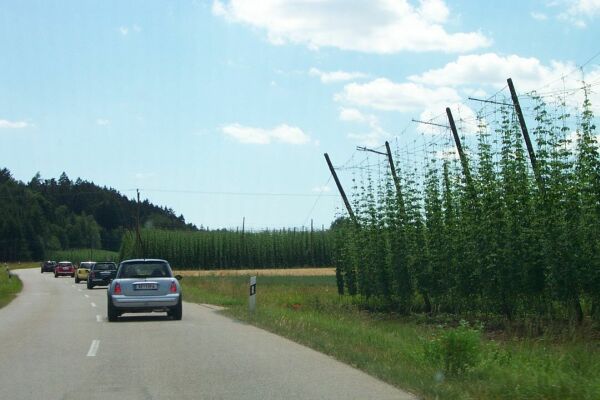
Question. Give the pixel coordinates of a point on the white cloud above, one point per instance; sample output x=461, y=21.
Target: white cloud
x=376, y=26
x=374, y=135
x=528, y=73
x=464, y=118
x=5, y=124
x=538, y=16
x=383, y=94
x=321, y=189
x=102, y=122
x=126, y=30
x=354, y=115
x=493, y=69
x=578, y=11
x=336, y=76
x=282, y=133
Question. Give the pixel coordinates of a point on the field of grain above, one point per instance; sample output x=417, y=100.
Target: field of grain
x=260, y=272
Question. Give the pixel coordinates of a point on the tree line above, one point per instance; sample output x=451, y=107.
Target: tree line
x=46, y=215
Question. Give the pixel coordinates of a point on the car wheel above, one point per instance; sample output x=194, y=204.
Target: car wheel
x=41, y=271
x=177, y=311
x=90, y=286
x=77, y=280
x=72, y=275
x=56, y=275
x=111, y=311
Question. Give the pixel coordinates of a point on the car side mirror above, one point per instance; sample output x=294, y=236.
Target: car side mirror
x=178, y=277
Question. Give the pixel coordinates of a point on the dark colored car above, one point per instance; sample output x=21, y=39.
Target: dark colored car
x=48, y=266
x=101, y=274
x=64, y=268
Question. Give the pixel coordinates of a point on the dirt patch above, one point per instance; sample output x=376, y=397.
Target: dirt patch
x=260, y=272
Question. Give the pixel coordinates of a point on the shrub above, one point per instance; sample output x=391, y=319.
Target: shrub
x=456, y=350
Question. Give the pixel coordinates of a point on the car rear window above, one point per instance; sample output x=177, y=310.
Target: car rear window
x=144, y=270
x=105, y=267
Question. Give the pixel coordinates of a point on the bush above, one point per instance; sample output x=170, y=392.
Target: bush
x=456, y=350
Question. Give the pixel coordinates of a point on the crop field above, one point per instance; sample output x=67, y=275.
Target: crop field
x=223, y=249
x=260, y=272
x=443, y=360
x=500, y=231
x=78, y=255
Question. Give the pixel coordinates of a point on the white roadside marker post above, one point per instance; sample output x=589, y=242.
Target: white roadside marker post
x=252, y=297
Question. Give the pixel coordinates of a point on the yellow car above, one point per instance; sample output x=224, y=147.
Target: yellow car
x=83, y=271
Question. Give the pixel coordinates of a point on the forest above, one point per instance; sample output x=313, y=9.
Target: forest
x=46, y=215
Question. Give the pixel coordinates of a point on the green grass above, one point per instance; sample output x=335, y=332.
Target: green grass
x=79, y=255
x=392, y=348
x=9, y=287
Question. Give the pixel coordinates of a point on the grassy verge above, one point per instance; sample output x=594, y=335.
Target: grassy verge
x=9, y=287
x=399, y=350
x=22, y=265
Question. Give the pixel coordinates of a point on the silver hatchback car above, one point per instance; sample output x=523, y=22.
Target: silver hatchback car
x=146, y=285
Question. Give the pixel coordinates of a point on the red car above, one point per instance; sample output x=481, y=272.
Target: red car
x=64, y=268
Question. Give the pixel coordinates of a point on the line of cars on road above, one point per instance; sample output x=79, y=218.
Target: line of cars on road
x=135, y=286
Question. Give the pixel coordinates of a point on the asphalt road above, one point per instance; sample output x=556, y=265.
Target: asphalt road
x=55, y=343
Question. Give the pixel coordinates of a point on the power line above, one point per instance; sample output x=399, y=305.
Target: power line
x=258, y=194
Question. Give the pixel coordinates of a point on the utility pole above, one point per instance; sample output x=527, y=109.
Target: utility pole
x=341, y=189
x=461, y=153
x=138, y=239
x=532, y=158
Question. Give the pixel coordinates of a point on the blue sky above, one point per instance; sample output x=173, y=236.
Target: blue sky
x=223, y=109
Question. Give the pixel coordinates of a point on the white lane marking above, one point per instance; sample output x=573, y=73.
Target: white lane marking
x=98, y=318
x=93, y=348
x=73, y=285
x=93, y=304
x=86, y=296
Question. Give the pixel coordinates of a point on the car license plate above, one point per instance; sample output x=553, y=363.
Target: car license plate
x=145, y=286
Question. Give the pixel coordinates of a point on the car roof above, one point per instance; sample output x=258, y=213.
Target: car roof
x=148, y=260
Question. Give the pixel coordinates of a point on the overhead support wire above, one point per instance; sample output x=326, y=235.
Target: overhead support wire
x=430, y=123
x=362, y=148
x=490, y=101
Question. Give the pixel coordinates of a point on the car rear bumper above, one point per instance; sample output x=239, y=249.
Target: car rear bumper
x=64, y=273
x=145, y=303
x=98, y=281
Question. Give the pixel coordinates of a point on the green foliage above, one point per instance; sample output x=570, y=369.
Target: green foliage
x=390, y=347
x=49, y=215
x=224, y=249
x=456, y=350
x=496, y=241
x=10, y=285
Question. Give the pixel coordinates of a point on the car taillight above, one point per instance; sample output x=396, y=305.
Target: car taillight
x=117, y=288
x=173, y=288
